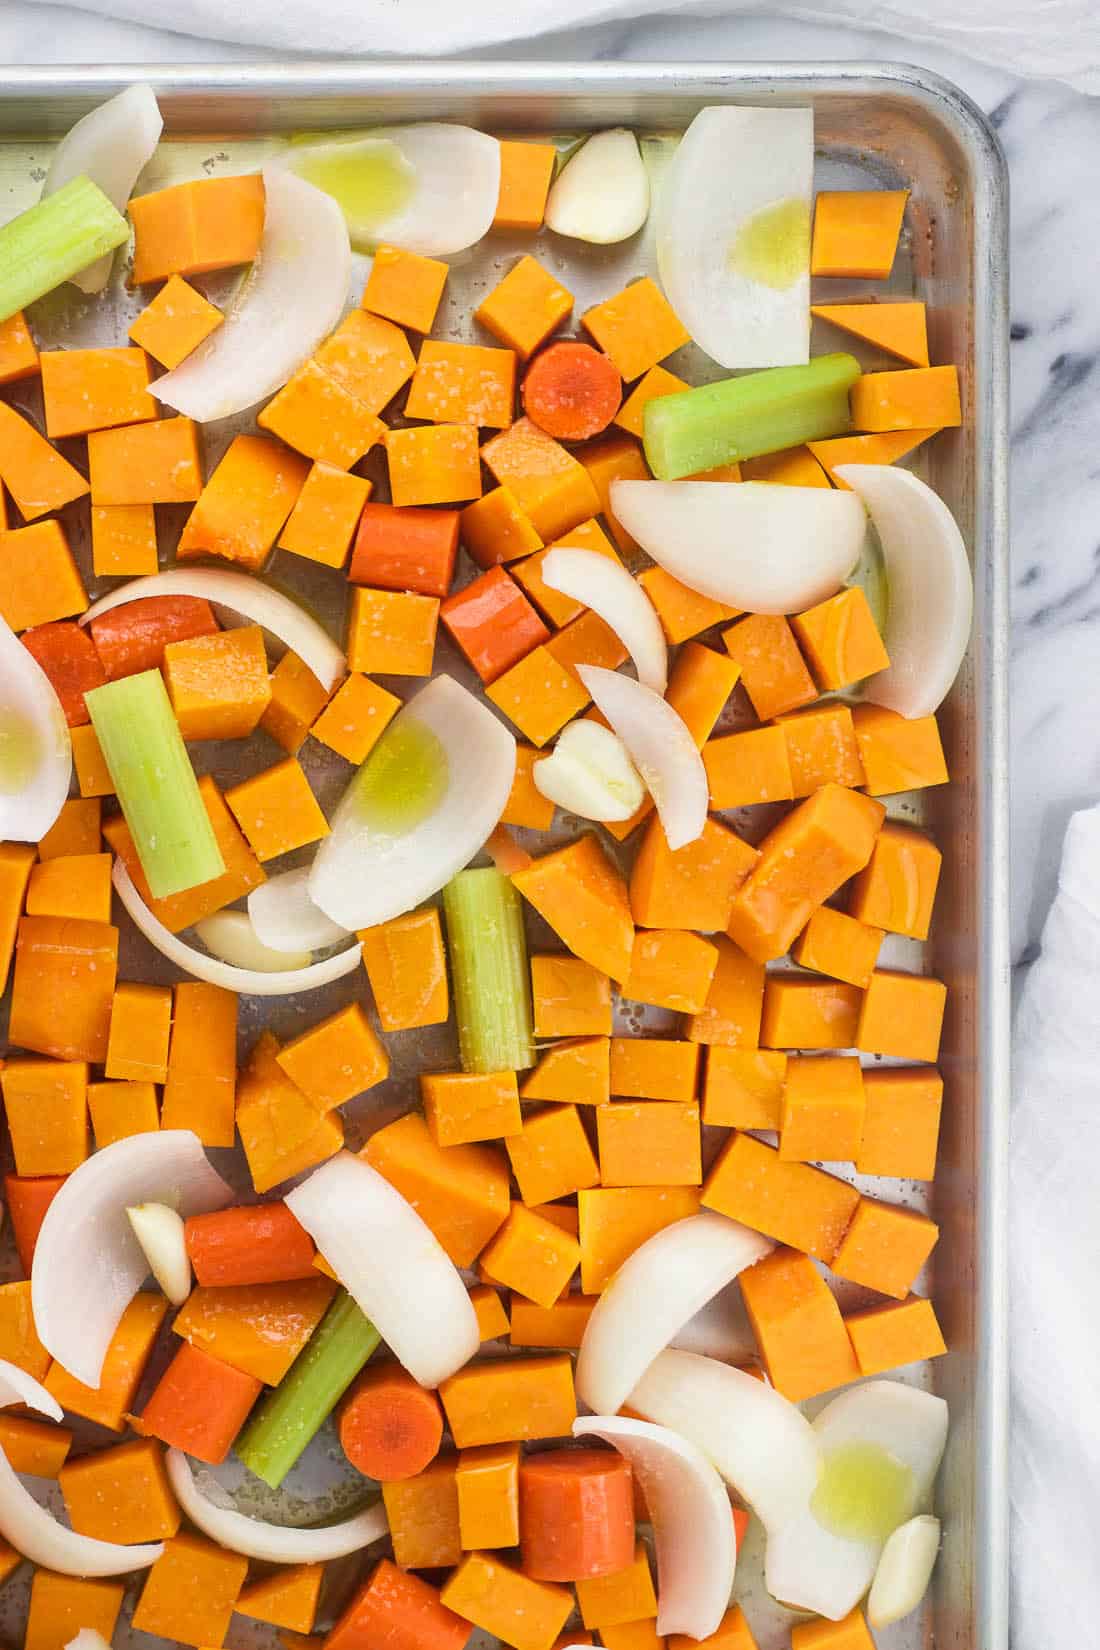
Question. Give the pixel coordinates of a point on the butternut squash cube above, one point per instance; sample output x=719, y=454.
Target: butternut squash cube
x=794, y=1203
x=799, y=1331
x=502, y=1400
x=773, y=671
x=355, y=717
x=526, y=1614
x=405, y=287
x=835, y=944
x=191, y=228
x=896, y=889
x=297, y=699
x=898, y=753
x=822, y=1112
x=277, y=810
x=699, y=685
x=902, y=1015
x=369, y=356
x=801, y=1011
x=914, y=398
x=743, y=1088
x=492, y=1319
x=281, y=1132
x=900, y=1332
x=433, y=464
x=793, y=467
x=526, y=806
x=37, y=1447
x=175, y=322
x=614, y=458
x=121, y=1494
x=77, y=885
x=571, y=998
x=141, y=1020
x=550, y=1155
x=637, y=328
x=657, y=381
x=256, y=1328
x=634, y=1635
x=322, y=523
x=556, y=608
x=525, y=307
x=392, y=632
x=463, y=384
x=885, y=1247
x=241, y=510
x=561, y=1324
x=124, y=540
x=463, y=1106
x=616, y=1220
x=627, y=1595
x=901, y=1122
x=338, y=1058
x=526, y=173
x=39, y=580
x=407, y=970
x=532, y=1256
x=649, y=1143
x=127, y=1357
x=654, y=1068
x=94, y=389
x=61, y=1605
x=190, y=1592
x=317, y=416
x=580, y=893
x=899, y=327
x=287, y=1598
x=732, y=1633
x=551, y=487
x=35, y=474
x=202, y=1063
x=156, y=463
x=65, y=970
x=731, y=1013
x=575, y=1071
x=119, y=1110
x=885, y=447
x=670, y=969
x=18, y=352
x=46, y=1105
x=821, y=748
x=849, y=1634
x=586, y=640
x=856, y=232
x=693, y=887
x=461, y=1192
x=19, y=1343
x=840, y=639
x=495, y=529
x=75, y=831
x=218, y=685
x=487, y=1480
x=746, y=768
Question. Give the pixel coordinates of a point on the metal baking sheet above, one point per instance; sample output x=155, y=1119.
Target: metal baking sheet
x=893, y=126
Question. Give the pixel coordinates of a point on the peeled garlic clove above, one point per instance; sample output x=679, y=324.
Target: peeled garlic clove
x=589, y=773
x=159, y=1230
x=904, y=1570
x=602, y=192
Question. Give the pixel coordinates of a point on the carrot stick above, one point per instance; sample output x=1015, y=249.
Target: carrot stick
x=389, y=1427
x=407, y=548
x=28, y=1197
x=67, y=654
x=506, y=853
x=572, y=391
x=576, y=1514
x=132, y=638
x=261, y=1244
x=399, y=1611
x=200, y=1404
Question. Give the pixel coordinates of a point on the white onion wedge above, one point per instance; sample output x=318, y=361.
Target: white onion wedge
x=608, y=589
x=292, y=297
x=660, y=747
x=759, y=1441
x=110, y=145
x=904, y=1570
x=589, y=773
x=36, y=759
x=391, y=1264
x=242, y=594
x=33, y=1531
x=286, y=919
x=733, y=234
x=652, y=1295
x=429, y=187
x=601, y=194
x=271, y=1543
x=159, y=1230
x=231, y=937
x=418, y=810
x=247, y=982
x=88, y=1264
x=931, y=591
x=756, y=545
x=689, y=1510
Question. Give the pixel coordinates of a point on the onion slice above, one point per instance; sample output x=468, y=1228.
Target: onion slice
x=286, y=919
x=589, y=773
x=689, y=1510
x=243, y=594
x=601, y=194
x=110, y=144
x=652, y=1295
x=271, y=1543
x=660, y=746
x=418, y=810
x=759, y=1441
x=904, y=1570
x=757, y=545
x=159, y=1230
x=88, y=1264
x=231, y=937
x=931, y=598
x=36, y=758
x=608, y=589
x=247, y=982
x=391, y=1264
x=290, y=300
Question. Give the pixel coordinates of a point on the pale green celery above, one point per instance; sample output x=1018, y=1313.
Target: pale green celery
x=54, y=240
x=155, y=783
x=745, y=417
x=286, y=1420
x=489, y=971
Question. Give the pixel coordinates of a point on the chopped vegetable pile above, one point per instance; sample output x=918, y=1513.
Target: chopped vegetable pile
x=660, y=918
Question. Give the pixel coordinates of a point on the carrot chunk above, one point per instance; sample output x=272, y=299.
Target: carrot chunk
x=405, y=549
x=68, y=656
x=572, y=391
x=262, y=1243
x=493, y=623
x=397, y=1611
x=28, y=1197
x=199, y=1405
x=576, y=1514
x=389, y=1426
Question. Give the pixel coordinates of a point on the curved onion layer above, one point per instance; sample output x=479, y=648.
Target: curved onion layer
x=904, y=1570
x=159, y=1230
x=272, y=1543
x=290, y=300
x=660, y=747
x=110, y=145
x=759, y=1441
x=243, y=594
x=652, y=1295
x=36, y=758
x=429, y=187
x=601, y=194
x=88, y=1264
x=391, y=1264
x=756, y=545
x=931, y=600
x=247, y=982
x=589, y=773
x=418, y=810
x=881, y=1445
x=231, y=937
x=689, y=1510
x=286, y=919
x=733, y=234
x=608, y=589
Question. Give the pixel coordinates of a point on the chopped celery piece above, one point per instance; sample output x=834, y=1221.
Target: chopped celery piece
x=155, y=783
x=736, y=418
x=284, y=1422
x=54, y=240
x=492, y=981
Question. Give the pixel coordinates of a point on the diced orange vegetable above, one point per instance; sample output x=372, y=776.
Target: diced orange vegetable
x=649, y=1143
x=901, y=1332
x=141, y=1018
x=795, y=467
x=16, y=863
x=433, y=464
x=191, y=228
x=392, y=632
x=423, y=1516
x=355, y=718
x=549, y=484
x=795, y=1203
x=494, y=624
x=94, y=389
x=297, y=699
x=119, y=1110
x=152, y=463
x=657, y=381
x=654, y=1068
x=258, y=1329
x=884, y=448
x=898, y=753
x=28, y=1198
x=61, y=1605
x=397, y=1611
x=241, y=510
x=730, y=1015
x=495, y=529
x=576, y=1514
x=614, y=458
x=316, y=415
x=532, y=1256
x=281, y=1131
x=699, y=685
x=915, y=398
x=124, y=540
x=258, y=1243
x=526, y=806
x=277, y=810
x=805, y=1011
x=10, y=1561
x=499, y=1401
x=36, y=476
x=460, y=1192
x=885, y=1247
x=576, y=1071
x=407, y=969
x=571, y=997
x=633, y=1635
x=743, y=1088
x=202, y=1063
x=797, y=1324
x=133, y=637
x=18, y=354
x=370, y=357
x=521, y=1612
x=835, y=944
x=19, y=1343
x=822, y=1112
x=773, y=671
x=64, y=983
x=746, y=768
x=389, y=1427
x=336, y=1059
x=571, y=391
x=39, y=580
x=409, y=549
x=200, y=1403
x=322, y=523
x=821, y=748
x=901, y=1015
x=463, y=1106
x=670, y=968
x=856, y=231
x=899, y=327
x=841, y=640
x=190, y=1592
x=67, y=655
x=732, y=1633
x=525, y=307
x=131, y=1347
x=849, y=1634
x=901, y=1122
x=463, y=384
x=586, y=640
x=286, y=1598
x=78, y=885
x=896, y=890
x=487, y=1481
x=582, y=896
x=637, y=328
x=492, y=1319
x=626, y=1595
x=557, y=608
x=694, y=887
x=75, y=831
x=175, y=322
x=526, y=172
x=37, y=1447
x=551, y=1157
x=121, y=1494
x=560, y=1325
x=685, y=613
x=564, y=1215
x=405, y=287
x=614, y=1221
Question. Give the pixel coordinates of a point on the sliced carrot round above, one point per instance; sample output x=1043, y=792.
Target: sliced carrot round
x=389, y=1426
x=572, y=391
x=576, y=1514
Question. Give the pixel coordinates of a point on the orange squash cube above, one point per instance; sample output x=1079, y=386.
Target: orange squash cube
x=657, y=381
x=699, y=685
x=218, y=685
x=65, y=970
x=191, y=228
x=146, y=464
x=76, y=885
x=693, y=887
x=121, y=1494
x=190, y=1592
x=336, y=1059
x=405, y=287
x=94, y=389
x=355, y=717
x=743, y=1088
x=407, y=970
x=746, y=768
x=37, y=1447
x=581, y=894
x=551, y=487
x=495, y=529
x=131, y=1347
x=492, y=1319
x=287, y=1598
x=616, y=1220
x=35, y=474
x=637, y=328
x=526, y=806
x=526, y=1614
x=462, y=1106
x=382, y=1609
x=654, y=1068
x=898, y=753
x=732, y=1633
x=633, y=1635
x=822, y=1110
x=849, y=1634
x=901, y=1123
x=730, y=1016
x=16, y=863
x=433, y=464
x=794, y=1203
x=896, y=889
x=571, y=997
x=202, y=1063
x=885, y=1247
x=241, y=510
x=19, y=1343
x=525, y=307
x=649, y=1143
x=124, y=540
x=277, y=810
x=370, y=357
x=821, y=748
x=586, y=640
x=899, y=327
x=886, y=447
x=773, y=671
x=39, y=580
x=577, y=1071
x=297, y=698
x=463, y=384
x=801, y=1011
x=281, y=1132
x=526, y=173
x=256, y=1328
x=838, y=945
x=670, y=968
x=141, y=1020
x=461, y=1192
x=392, y=632
x=682, y=612
x=915, y=398
x=538, y=695
x=794, y=467
x=799, y=1331
x=317, y=416
x=558, y=609
x=840, y=640
x=18, y=352
x=75, y=831
x=561, y=1325
x=856, y=232
x=487, y=1480
x=627, y=1595
x=550, y=1155
x=119, y=1110
x=175, y=322
x=901, y=1332
x=60, y=1606
x=502, y=1401
x=614, y=458
x=902, y=1015
x=532, y=1256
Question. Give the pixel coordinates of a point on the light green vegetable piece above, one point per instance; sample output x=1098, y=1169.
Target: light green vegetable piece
x=54, y=240
x=489, y=971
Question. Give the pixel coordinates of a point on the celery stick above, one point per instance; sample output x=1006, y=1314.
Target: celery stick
x=492, y=982
x=760, y=412
x=155, y=783
x=55, y=239
x=283, y=1423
